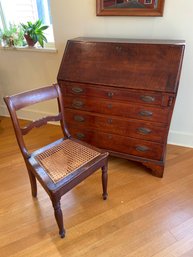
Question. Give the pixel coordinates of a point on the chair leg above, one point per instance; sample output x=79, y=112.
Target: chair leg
x=59, y=217
x=33, y=183
x=104, y=181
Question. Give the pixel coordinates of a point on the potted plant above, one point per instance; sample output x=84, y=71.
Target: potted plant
x=12, y=36
x=34, y=32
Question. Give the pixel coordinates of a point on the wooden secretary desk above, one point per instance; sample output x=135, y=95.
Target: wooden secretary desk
x=119, y=95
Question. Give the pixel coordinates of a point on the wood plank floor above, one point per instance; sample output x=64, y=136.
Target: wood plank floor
x=144, y=216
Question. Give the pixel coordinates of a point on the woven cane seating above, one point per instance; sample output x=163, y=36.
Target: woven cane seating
x=61, y=165
x=65, y=158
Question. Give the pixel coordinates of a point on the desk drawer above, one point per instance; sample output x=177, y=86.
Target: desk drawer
x=121, y=144
x=139, y=96
x=113, y=124
x=127, y=110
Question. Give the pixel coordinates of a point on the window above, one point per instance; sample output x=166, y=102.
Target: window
x=17, y=11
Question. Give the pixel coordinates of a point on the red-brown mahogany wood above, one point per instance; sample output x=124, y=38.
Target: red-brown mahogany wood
x=128, y=88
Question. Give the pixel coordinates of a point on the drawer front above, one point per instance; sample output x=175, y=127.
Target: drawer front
x=120, y=144
x=139, y=96
x=128, y=110
x=112, y=124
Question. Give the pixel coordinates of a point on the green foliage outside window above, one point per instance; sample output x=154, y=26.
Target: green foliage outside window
x=12, y=36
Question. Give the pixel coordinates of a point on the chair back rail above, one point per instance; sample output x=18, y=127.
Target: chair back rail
x=39, y=123
x=24, y=99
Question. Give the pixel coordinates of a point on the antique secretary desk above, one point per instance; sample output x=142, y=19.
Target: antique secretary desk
x=119, y=95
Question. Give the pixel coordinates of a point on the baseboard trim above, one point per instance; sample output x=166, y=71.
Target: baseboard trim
x=174, y=138
x=180, y=138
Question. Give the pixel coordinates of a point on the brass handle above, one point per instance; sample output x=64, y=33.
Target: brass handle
x=110, y=94
x=77, y=104
x=79, y=118
x=146, y=113
x=142, y=148
x=77, y=90
x=80, y=135
x=147, y=98
x=144, y=131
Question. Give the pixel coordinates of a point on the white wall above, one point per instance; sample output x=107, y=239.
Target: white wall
x=25, y=70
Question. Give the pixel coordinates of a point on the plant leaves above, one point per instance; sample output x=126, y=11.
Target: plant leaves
x=35, y=31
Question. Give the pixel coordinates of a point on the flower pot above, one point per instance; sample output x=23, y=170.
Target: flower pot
x=30, y=41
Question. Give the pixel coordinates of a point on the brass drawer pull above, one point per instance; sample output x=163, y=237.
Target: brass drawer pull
x=77, y=90
x=110, y=94
x=142, y=148
x=144, y=131
x=77, y=104
x=147, y=98
x=79, y=118
x=146, y=113
x=80, y=135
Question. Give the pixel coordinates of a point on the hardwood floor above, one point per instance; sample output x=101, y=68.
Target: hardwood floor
x=144, y=216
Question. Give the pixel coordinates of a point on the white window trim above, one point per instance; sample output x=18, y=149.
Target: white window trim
x=29, y=49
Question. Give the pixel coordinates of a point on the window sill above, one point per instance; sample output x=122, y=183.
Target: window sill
x=29, y=49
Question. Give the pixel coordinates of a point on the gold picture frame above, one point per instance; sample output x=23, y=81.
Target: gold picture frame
x=129, y=7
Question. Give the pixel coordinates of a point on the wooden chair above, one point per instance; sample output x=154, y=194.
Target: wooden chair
x=62, y=164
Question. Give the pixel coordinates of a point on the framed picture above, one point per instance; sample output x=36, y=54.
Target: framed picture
x=130, y=7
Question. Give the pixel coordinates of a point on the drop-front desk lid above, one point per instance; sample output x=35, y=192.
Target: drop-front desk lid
x=136, y=64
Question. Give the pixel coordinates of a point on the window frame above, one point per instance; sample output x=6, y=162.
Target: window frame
x=4, y=25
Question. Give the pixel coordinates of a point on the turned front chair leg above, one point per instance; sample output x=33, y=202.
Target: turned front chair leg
x=104, y=181
x=59, y=217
